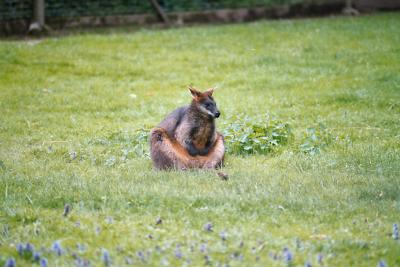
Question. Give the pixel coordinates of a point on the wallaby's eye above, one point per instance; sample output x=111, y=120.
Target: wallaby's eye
x=208, y=105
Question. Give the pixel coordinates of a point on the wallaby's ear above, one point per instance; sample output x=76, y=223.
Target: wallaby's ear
x=195, y=94
x=210, y=91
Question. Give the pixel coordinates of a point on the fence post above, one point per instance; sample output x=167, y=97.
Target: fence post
x=349, y=10
x=160, y=11
x=38, y=23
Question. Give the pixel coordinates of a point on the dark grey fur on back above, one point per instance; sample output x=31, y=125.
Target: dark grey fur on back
x=172, y=121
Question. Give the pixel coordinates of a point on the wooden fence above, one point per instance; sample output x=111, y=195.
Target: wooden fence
x=23, y=16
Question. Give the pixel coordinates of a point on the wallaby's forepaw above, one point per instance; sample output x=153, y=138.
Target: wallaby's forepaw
x=220, y=136
x=192, y=151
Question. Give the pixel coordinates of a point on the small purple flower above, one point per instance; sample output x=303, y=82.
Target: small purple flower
x=287, y=255
x=56, y=248
x=203, y=248
x=10, y=263
x=320, y=257
x=307, y=264
x=141, y=256
x=98, y=230
x=20, y=249
x=382, y=263
x=43, y=262
x=78, y=260
x=29, y=248
x=223, y=235
x=178, y=252
x=85, y=263
x=36, y=256
x=395, y=231
x=208, y=227
x=106, y=258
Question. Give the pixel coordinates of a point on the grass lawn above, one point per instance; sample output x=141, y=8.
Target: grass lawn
x=71, y=107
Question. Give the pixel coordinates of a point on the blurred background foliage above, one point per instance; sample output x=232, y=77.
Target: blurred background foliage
x=17, y=9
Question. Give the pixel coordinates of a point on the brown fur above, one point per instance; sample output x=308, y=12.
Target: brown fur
x=187, y=138
x=167, y=153
x=195, y=128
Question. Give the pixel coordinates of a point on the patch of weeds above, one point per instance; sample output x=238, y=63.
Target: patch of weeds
x=2, y=165
x=244, y=135
x=136, y=143
x=316, y=139
x=141, y=142
x=259, y=135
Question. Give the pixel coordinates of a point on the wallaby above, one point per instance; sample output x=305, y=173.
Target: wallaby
x=187, y=138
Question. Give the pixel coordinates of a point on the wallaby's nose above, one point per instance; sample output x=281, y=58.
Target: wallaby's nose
x=217, y=114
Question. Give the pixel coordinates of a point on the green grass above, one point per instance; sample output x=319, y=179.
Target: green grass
x=70, y=108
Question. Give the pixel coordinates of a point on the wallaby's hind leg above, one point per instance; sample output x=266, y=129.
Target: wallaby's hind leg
x=167, y=153
x=215, y=158
x=158, y=150
x=161, y=150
